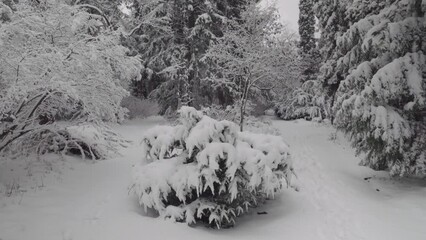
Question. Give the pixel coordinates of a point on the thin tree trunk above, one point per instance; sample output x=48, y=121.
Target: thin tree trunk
x=243, y=104
x=242, y=116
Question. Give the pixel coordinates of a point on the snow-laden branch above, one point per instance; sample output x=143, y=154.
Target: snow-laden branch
x=100, y=12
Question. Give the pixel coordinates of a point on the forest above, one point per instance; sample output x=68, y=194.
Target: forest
x=129, y=118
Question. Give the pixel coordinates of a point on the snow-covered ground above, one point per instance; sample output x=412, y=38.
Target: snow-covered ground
x=76, y=199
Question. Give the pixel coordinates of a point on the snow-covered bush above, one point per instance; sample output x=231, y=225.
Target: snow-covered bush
x=96, y=142
x=204, y=170
x=86, y=140
x=59, y=62
x=5, y=13
x=304, y=102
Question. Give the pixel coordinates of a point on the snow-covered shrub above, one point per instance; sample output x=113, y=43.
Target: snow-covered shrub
x=140, y=108
x=86, y=140
x=59, y=62
x=96, y=142
x=204, y=170
x=304, y=102
x=5, y=13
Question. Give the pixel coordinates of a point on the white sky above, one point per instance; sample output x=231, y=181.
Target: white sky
x=289, y=11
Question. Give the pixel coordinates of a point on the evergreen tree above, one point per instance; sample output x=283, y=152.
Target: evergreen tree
x=331, y=19
x=206, y=171
x=381, y=102
x=308, y=51
x=171, y=37
x=306, y=26
x=306, y=99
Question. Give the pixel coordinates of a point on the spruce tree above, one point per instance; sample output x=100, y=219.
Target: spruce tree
x=381, y=102
x=306, y=100
x=306, y=26
x=332, y=22
x=308, y=52
x=171, y=38
x=320, y=80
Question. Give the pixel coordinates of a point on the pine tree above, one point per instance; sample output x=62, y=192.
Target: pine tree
x=308, y=50
x=381, y=102
x=331, y=19
x=305, y=100
x=306, y=26
x=171, y=37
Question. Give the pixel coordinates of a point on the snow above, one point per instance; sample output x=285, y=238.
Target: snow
x=336, y=198
x=212, y=163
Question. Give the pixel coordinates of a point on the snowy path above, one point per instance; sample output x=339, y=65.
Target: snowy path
x=351, y=207
x=91, y=201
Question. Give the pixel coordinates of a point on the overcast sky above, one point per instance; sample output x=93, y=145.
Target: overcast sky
x=289, y=11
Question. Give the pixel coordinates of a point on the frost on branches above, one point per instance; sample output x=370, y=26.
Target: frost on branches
x=381, y=103
x=59, y=63
x=171, y=37
x=232, y=113
x=204, y=170
x=305, y=102
x=249, y=57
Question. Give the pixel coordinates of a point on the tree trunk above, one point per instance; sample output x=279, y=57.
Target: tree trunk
x=243, y=103
x=242, y=115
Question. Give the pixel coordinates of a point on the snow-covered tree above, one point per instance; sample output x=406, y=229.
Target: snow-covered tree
x=309, y=62
x=331, y=24
x=151, y=37
x=6, y=10
x=59, y=62
x=204, y=170
x=171, y=37
x=108, y=9
x=381, y=102
x=303, y=102
x=306, y=26
x=249, y=56
x=310, y=98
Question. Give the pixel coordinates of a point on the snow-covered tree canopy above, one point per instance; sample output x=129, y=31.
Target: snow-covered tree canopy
x=171, y=36
x=307, y=26
x=308, y=51
x=371, y=80
x=381, y=101
x=252, y=56
x=204, y=170
x=59, y=62
x=305, y=102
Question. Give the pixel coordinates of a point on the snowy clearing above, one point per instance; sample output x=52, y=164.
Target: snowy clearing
x=336, y=198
